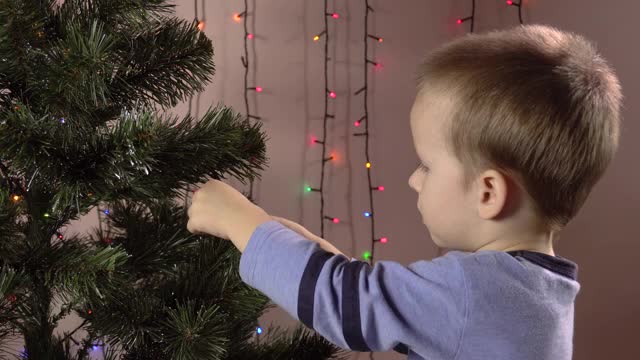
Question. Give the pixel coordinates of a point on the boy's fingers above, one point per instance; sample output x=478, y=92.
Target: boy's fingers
x=190, y=211
x=191, y=226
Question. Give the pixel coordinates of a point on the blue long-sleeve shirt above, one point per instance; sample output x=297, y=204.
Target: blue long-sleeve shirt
x=483, y=305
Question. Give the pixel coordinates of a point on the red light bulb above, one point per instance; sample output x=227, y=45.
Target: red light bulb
x=383, y=240
x=380, y=40
x=459, y=21
x=357, y=123
x=250, y=36
x=258, y=89
x=336, y=220
x=335, y=16
x=332, y=94
x=381, y=188
x=509, y=2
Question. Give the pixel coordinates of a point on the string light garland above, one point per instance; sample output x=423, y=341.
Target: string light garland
x=470, y=18
x=519, y=6
x=201, y=25
x=368, y=255
x=328, y=93
x=243, y=16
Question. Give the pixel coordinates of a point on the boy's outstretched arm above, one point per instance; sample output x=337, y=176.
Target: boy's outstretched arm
x=324, y=244
x=354, y=305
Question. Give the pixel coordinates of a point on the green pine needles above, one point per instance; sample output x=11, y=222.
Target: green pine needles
x=84, y=85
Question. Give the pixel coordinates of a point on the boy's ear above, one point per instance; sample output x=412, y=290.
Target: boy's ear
x=493, y=194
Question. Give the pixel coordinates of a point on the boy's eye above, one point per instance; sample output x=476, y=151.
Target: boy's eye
x=423, y=167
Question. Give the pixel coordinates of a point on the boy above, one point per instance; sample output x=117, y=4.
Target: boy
x=513, y=129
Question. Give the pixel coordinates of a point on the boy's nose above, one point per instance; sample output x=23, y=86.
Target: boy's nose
x=412, y=181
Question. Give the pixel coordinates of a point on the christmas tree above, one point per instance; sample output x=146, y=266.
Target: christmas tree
x=84, y=85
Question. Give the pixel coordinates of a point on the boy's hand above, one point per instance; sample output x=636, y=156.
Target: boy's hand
x=220, y=210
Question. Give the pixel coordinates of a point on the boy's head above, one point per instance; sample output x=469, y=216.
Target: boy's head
x=515, y=128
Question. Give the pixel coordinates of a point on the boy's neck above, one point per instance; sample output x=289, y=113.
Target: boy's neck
x=542, y=243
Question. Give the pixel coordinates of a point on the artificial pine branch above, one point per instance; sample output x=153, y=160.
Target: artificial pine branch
x=82, y=85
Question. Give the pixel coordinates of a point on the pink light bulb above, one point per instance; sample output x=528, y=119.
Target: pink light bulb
x=336, y=220
x=332, y=94
x=459, y=21
x=250, y=36
x=357, y=123
x=258, y=89
x=383, y=240
x=381, y=188
x=335, y=16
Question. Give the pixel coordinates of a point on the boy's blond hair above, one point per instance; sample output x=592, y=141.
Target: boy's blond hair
x=539, y=104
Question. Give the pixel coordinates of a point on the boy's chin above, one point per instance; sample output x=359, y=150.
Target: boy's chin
x=443, y=244
x=437, y=241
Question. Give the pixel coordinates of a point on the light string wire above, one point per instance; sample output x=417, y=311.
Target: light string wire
x=369, y=256
x=327, y=94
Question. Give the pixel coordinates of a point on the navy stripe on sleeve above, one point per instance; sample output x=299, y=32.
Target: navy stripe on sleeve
x=308, y=283
x=402, y=349
x=351, y=324
x=351, y=321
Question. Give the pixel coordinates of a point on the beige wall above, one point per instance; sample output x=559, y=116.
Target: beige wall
x=603, y=239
